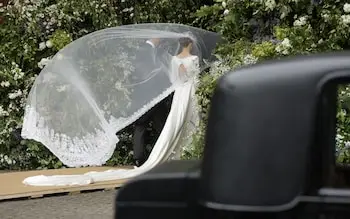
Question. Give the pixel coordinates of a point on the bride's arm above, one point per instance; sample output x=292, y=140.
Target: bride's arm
x=196, y=67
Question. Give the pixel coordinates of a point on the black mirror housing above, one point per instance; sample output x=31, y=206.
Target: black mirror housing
x=269, y=144
x=169, y=189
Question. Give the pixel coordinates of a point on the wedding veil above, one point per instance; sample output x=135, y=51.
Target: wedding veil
x=101, y=83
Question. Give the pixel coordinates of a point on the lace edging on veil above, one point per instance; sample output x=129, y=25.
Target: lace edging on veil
x=71, y=150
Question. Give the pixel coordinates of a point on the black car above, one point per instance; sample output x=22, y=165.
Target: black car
x=269, y=152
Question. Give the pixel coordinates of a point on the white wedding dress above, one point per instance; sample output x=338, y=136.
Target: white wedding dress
x=181, y=123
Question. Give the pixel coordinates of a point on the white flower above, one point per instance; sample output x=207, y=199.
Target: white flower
x=300, y=22
x=285, y=52
x=345, y=19
x=43, y=62
x=5, y=84
x=224, y=4
x=219, y=68
x=286, y=43
x=26, y=48
x=49, y=44
x=270, y=4
x=284, y=47
x=339, y=137
x=3, y=112
x=12, y=95
x=15, y=94
x=325, y=16
x=346, y=7
x=1, y=4
x=347, y=145
x=226, y=12
x=42, y=46
x=249, y=59
x=18, y=75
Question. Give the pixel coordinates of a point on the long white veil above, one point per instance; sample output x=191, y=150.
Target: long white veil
x=100, y=84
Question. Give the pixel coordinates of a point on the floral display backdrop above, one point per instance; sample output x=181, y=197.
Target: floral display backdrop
x=32, y=31
x=260, y=30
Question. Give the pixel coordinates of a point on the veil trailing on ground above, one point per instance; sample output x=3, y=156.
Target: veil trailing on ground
x=100, y=84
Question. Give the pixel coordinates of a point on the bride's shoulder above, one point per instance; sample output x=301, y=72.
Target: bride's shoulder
x=188, y=58
x=174, y=58
x=194, y=58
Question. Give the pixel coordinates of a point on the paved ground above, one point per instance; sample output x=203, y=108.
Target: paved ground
x=99, y=205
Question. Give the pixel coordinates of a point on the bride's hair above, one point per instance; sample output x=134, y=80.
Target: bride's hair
x=185, y=42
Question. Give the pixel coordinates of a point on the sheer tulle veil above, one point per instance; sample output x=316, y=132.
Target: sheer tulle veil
x=101, y=83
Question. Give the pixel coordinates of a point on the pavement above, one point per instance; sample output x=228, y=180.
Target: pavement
x=94, y=205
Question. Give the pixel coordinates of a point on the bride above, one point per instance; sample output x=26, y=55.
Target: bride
x=180, y=125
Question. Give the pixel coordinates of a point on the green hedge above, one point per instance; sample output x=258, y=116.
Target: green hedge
x=260, y=30
x=253, y=31
x=32, y=32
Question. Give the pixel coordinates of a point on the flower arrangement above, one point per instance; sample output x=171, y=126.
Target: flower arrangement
x=267, y=29
x=32, y=31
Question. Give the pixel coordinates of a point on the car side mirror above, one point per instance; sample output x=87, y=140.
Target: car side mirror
x=269, y=146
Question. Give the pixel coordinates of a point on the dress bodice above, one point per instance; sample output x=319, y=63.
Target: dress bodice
x=191, y=63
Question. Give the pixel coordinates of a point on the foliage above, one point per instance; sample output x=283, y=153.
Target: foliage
x=267, y=29
x=60, y=39
x=204, y=93
x=31, y=32
x=165, y=11
x=253, y=31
